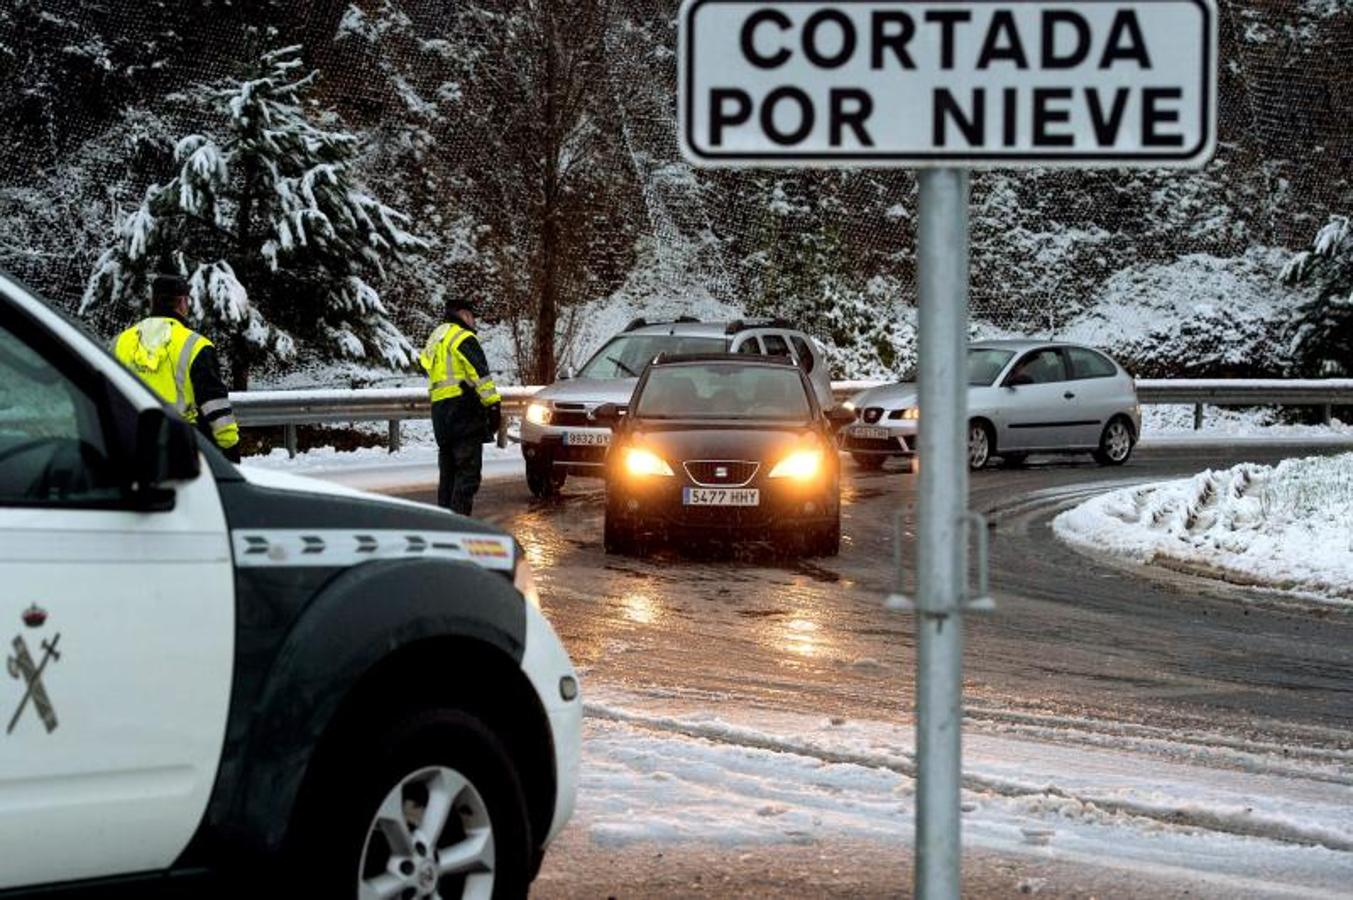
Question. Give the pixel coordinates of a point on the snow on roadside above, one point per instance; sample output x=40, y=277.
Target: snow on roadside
x=1287, y=527
x=1173, y=423
x=747, y=777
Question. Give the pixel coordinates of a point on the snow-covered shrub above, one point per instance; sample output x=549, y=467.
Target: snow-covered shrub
x=1199, y=316
x=1321, y=331
x=264, y=217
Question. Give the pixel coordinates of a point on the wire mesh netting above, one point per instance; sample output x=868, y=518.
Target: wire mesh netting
x=532, y=144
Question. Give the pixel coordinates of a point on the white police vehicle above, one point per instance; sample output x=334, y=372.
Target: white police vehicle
x=215, y=670
x=560, y=435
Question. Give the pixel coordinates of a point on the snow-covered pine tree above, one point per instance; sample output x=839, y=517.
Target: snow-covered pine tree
x=266, y=220
x=1322, y=329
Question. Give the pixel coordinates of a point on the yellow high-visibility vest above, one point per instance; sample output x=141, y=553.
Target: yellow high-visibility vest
x=448, y=369
x=160, y=351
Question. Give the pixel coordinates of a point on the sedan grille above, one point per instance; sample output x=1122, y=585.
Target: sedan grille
x=721, y=472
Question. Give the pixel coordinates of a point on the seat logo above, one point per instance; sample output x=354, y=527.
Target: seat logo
x=21, y=666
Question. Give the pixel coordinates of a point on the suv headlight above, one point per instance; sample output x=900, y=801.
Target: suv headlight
x=539, y=413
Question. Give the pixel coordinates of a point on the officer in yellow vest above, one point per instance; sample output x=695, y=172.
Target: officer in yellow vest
x=466, y=406
x=180, y=365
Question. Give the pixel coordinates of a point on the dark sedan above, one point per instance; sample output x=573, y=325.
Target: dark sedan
x=727, y=447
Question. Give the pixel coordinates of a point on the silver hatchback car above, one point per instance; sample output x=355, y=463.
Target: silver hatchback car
x=1024, y=397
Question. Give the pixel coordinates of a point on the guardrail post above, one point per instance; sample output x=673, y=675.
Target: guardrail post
x=394, y=436
x=502, y=432
x=1197, y=417
x=1327, y=413
x=291, y=439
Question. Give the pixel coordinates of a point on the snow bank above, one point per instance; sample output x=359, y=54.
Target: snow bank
x=1200, y=315
x=743, y=777
x=1288, y=527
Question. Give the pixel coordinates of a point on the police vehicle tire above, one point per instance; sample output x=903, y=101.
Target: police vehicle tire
x=345, y=837
x=1115, y=444
x=869, y=462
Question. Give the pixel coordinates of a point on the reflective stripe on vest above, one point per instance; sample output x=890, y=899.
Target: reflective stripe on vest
x=443, y=351
x=160, y=352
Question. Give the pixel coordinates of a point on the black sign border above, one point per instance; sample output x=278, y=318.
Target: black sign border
x=1197, y=154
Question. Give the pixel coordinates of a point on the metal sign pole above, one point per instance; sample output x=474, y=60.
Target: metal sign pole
x=942, y=286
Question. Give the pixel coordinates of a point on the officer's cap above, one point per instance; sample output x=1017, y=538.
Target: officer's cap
x=168, y=288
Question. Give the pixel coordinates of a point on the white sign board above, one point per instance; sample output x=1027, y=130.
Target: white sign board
x=948, y=82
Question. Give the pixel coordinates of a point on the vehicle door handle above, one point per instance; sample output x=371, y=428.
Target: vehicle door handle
x=1070, y=396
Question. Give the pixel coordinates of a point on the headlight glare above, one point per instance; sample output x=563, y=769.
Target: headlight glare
x=801, y=464
x=539, y=414
x=911, y=413
x=645, y=462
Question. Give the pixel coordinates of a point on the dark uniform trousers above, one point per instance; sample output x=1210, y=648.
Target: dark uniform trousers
x=459, y=426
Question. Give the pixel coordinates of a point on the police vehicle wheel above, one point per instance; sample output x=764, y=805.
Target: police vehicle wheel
x=1115, y=444
x=428, y=806
x=869, y=463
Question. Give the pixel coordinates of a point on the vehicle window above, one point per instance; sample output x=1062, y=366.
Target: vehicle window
x=750, y=347
x=1041, y=367
x=984, y=365
x=775, y=345
x=626, y=355
x=1089, y=364
x=804, y=353
x=52, y=447
x=724, y=391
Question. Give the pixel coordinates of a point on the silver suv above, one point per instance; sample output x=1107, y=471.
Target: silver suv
x=561, y=437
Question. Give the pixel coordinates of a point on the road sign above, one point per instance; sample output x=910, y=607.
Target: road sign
x=953, y=83
x=946, y=85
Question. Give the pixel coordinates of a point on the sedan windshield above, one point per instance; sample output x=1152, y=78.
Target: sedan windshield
x=985, y=364
x=627, y=355
x=725, y=391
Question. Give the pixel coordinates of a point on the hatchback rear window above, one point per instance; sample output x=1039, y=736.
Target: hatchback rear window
x=1089, y=364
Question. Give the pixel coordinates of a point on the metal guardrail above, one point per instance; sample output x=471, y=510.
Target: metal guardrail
x=394, y=405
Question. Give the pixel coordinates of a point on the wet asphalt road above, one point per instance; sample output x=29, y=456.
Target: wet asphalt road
x=1072, y=635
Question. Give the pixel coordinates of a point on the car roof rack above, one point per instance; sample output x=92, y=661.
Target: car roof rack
x=641, y=322
x=744, y=324
x=665, y=358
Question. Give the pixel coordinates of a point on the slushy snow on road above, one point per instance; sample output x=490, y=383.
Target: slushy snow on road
x=1287, y=527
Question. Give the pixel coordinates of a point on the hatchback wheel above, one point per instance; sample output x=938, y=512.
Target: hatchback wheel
x=979, y=445
x=1115, y=444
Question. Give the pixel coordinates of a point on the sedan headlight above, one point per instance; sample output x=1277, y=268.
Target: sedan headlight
x=911, y=413
x=539, y=414
x=801, y=464
x=645, y=462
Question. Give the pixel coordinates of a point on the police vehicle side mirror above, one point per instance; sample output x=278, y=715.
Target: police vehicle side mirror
x=840, y=417
x=165, y=451
x=608, y=414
